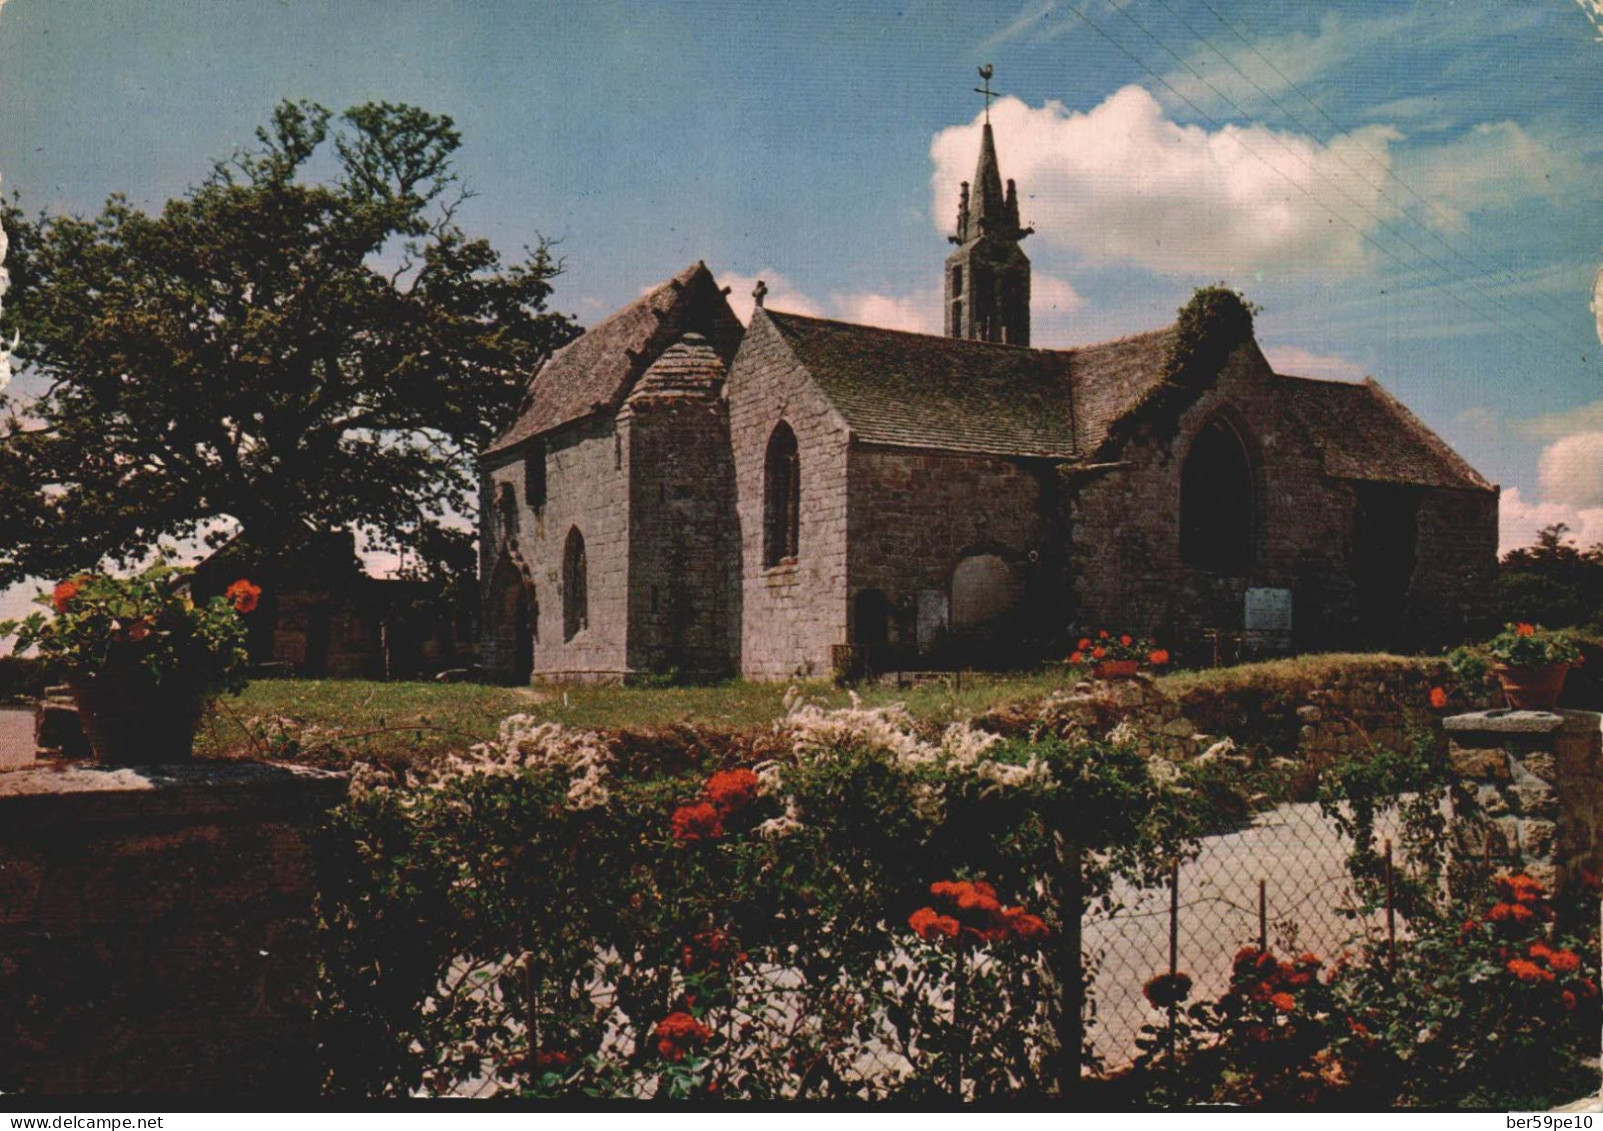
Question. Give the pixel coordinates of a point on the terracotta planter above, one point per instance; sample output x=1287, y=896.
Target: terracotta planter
x=1532, y=689
x=1116, y=669
x=130, y=720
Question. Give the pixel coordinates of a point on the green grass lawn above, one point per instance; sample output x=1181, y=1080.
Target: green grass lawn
x=335, y=721
x=339, y=720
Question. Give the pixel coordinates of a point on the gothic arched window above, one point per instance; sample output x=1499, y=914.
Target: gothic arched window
x=781, y=497
x=1216, y=502
x=575, y=587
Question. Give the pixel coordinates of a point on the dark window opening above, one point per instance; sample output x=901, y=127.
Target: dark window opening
x=1385, y=553
x=957, y=320
x=534, y=476
x=957, y=282
x=781, y=498
x=1216, y=502
x=575, y=591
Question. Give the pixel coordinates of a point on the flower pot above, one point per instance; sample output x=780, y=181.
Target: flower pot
x=131, y=720
x=1532, y=689
x=1116, y=669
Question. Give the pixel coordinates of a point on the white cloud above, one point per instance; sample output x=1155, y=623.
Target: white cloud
x=1124, y=183
x=782, y=295
x=1556, y=425
x=1490, y=167
x=1571, y=470
x=1051, y=295
x=916, y=311
x=920, y=313
x=1519, y=521
x=1298, y=362
x=1273, y=65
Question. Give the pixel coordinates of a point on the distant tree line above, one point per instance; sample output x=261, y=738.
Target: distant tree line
x=1554, y=583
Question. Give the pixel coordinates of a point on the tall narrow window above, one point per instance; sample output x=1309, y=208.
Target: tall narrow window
x=781, y=497
x=575, y=587
x=1216, y=502
x=534, y=476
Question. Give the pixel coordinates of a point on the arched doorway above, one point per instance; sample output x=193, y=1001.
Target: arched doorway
x=514, y=624
x=1217, y=502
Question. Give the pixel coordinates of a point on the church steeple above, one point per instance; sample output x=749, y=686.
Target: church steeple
x=988, y=276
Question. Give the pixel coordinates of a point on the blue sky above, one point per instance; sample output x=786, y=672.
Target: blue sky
x=1409, y=190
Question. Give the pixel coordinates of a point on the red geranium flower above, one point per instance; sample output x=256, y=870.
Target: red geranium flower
x=730, y=790
x=678, y=1033
x=700, y=821
x=1158, y=656
x=1077, y=658
x=1103, y=635
x=931, y=925
x=1568, y=998
x=243, y=595
x=1438, y=698
x=1021, y=924
x=709, y=951
x=1283, y=1002
x=64, y=592
x=1085, y=642
x=1126, y=640
x=1528, y=972
x=1098, y=653
x=1564, y=961
x=1523, y=629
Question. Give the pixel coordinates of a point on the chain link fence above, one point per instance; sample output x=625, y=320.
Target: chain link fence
x=1280, y=881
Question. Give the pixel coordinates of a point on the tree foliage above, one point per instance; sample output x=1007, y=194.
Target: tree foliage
x=306, y=341
x=1554, y=582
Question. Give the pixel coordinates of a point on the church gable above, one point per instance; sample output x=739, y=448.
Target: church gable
x=596, y=371
x=1363, y=433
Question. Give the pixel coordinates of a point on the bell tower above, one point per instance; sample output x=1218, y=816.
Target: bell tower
x=988, y=276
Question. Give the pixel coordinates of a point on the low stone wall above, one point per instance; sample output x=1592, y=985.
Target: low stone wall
x=156, y=929
x=1313, y=711
x=1536, y=780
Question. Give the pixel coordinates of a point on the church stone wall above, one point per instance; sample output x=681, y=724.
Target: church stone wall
x=793, y=614
x=586, y=487
x=914, y=515
x=1127, y=569
x=684, y=599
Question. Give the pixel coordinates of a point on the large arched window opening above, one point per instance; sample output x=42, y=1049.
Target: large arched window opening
x=985, y=593
x=1217, y=502
x=781, y=497
x=575, y=587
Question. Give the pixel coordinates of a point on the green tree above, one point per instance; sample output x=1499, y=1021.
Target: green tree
x=1554, y=582
x=305, y=342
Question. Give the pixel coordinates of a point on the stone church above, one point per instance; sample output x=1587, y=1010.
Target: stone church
x=681, y=496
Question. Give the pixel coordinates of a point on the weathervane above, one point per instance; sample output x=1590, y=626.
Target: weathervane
x=985, y=73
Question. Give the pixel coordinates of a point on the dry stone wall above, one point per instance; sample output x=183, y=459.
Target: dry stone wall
x=156, y=930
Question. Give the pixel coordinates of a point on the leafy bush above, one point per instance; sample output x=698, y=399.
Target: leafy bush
x=540, y=912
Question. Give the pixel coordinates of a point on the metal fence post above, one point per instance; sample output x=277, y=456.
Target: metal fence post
x=1071, y=969
x=1391, y=916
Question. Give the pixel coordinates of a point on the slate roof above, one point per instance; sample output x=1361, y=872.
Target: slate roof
x=688, y=368
x=1111, y=378
x=1364, y=433
x=923, y=391
x=595, y=371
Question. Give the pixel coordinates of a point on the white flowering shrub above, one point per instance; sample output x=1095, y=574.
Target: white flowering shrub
x=646, y=916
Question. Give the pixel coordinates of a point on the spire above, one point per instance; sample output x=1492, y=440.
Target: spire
x=988, y=276
x=987, y=204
